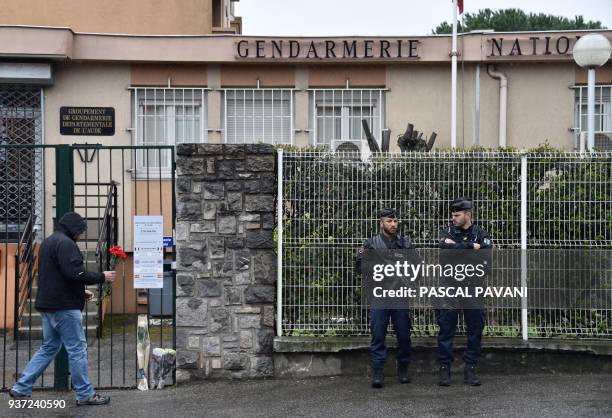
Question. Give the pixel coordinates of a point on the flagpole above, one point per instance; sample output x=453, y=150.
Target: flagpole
x=454, y=79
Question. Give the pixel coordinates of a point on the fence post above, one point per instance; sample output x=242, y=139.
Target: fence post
x=64, y=202
x=279, y=245
x=524, y=322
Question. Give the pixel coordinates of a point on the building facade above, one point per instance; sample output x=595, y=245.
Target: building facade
x=164, y=73
x=307, y=91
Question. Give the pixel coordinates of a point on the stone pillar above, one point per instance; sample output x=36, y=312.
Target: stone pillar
x=226, y=265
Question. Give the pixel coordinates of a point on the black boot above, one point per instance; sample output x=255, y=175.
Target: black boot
x=444, y=375
x=402, y=373
x=469, y=375
x=378, y=378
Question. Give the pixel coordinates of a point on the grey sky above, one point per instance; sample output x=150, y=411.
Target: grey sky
x=388, y=17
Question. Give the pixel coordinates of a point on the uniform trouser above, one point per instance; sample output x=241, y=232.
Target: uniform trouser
x=447, y=321
x=400, y=318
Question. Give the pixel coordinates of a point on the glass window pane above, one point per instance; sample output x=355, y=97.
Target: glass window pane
x=167, y=117
x=329, y=123
x=602, y=111
x=339, y=114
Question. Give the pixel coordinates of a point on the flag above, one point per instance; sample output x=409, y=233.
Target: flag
x=460, y=6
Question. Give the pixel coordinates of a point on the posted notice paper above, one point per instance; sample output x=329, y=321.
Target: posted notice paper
x=148, y=252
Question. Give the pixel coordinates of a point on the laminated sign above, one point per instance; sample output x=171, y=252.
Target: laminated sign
x=148, y=252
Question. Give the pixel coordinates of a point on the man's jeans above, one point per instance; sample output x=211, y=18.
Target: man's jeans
x=474, y=323
x=60, y=327
x=401, y=326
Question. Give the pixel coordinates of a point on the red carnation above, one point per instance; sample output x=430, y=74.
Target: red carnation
x=117, y=257
x=117, y=251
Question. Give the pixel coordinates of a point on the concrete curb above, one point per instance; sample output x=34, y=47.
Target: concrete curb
x=338, y=344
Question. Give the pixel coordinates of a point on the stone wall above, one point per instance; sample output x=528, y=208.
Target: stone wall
x=226, y=265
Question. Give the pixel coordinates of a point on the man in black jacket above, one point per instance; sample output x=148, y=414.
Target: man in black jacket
x=61, y=298
x=467, y=236
x=388, y=239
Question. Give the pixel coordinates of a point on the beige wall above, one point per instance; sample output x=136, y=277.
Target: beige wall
x=153, y=17
x=78, y=84
x=540, y=104
x=179, y=75
x=214, y=105
x=249, y=75
x=489, y=111
x=419, y=95
x=338, y=75
x=103, y=85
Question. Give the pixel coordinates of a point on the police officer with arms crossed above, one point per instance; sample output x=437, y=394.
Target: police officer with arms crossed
x=463, y=235
x=388, y=238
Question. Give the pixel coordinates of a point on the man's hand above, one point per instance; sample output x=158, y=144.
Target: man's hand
x=109, y=276
x=449, y=241
x=476, y=246
x=88, y=295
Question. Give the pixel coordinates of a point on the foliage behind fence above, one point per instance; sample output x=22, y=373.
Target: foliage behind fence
x=330, y=203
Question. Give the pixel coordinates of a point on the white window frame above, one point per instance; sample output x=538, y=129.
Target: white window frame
x=603, y=117
x=347, y=98
x=170, y=99
x=281, y=120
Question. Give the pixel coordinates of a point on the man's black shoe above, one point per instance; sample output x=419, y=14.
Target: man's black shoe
x=17, y=395
x=96, y=399
x=444, y=375
x=469, y=375
x=402, y=374
x=378, y=378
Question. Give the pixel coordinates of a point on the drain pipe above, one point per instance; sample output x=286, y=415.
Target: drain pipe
x=503, y=101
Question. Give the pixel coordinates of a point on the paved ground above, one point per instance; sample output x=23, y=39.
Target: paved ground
x=520, y=395
x=112, y=360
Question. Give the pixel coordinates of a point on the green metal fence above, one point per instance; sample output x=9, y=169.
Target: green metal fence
x=107, y=185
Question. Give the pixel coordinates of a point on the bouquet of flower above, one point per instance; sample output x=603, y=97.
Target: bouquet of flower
x=143, y=345
x=164, y=362
x=118, y=256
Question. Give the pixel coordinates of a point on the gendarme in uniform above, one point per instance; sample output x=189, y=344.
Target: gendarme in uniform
x=388, y=239
x=467, y=236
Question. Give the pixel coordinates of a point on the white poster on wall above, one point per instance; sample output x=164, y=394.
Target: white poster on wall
x=148, y=252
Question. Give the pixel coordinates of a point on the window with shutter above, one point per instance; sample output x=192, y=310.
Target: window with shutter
x=258, y=115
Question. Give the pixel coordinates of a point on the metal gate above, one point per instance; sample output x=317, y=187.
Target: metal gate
x=108, y=186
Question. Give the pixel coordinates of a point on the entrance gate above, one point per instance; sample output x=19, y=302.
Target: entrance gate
x=108, y=186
